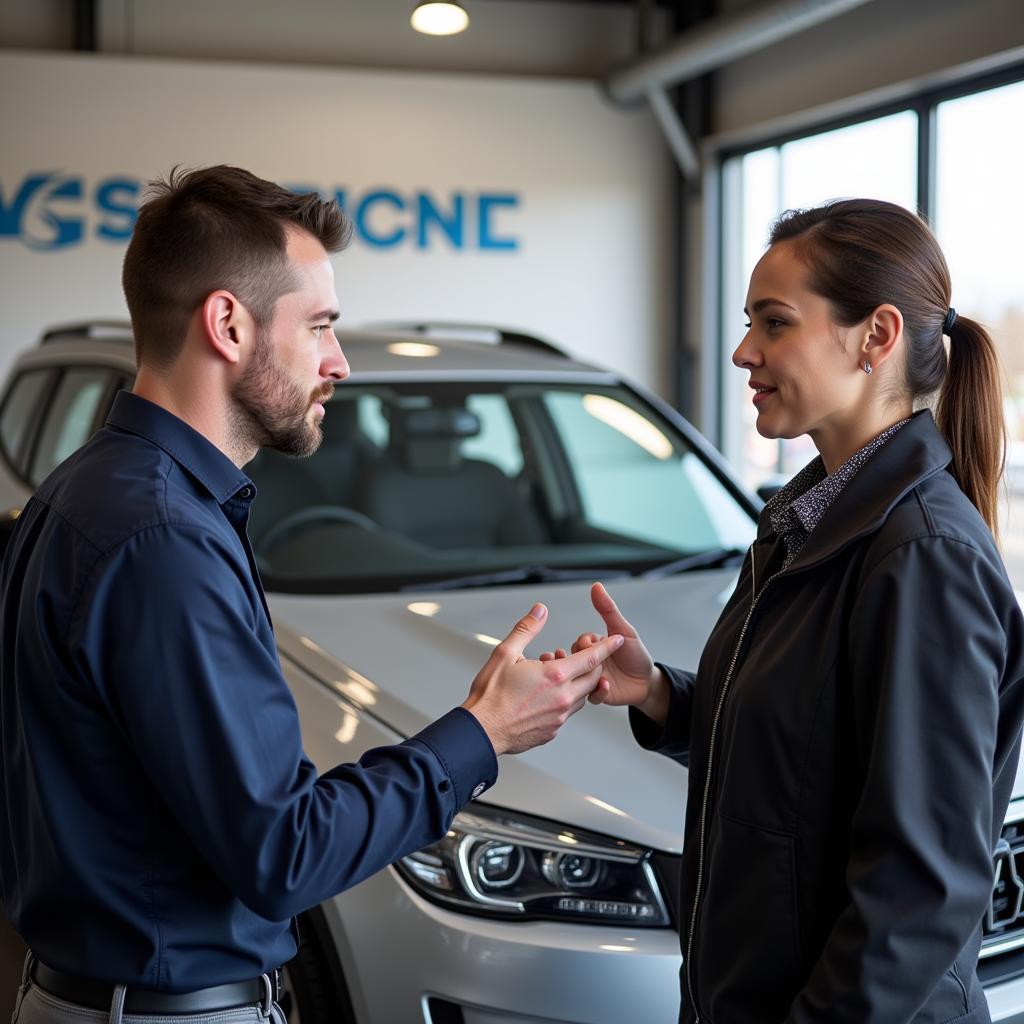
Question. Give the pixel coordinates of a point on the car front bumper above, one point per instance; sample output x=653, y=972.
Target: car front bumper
x=399, y=952
x=1006, y=1001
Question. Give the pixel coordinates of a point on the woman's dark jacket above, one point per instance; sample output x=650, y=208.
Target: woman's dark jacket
x=863, y=759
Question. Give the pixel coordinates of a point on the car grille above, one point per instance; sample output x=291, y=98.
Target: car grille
x=1003, y=929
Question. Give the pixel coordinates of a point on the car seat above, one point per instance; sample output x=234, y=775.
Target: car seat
x=427, y=491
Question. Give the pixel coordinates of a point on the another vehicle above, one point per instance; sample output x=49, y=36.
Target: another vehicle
x=459, y=481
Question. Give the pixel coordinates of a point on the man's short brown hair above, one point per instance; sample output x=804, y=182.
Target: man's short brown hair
x=209, y=229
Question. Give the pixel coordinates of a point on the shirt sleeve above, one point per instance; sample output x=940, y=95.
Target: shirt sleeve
x=927, y=651
x=170, y=637
x=673, y=738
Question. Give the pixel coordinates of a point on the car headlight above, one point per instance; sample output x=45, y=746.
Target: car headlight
x=495, y=863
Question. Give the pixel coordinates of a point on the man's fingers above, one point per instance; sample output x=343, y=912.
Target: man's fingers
x=609, y=611
x=583, y=663
x=523, y=632
x=600, y=692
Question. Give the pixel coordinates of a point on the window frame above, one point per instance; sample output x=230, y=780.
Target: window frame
x=17, y=461
x=115, y=381
x=923, y=101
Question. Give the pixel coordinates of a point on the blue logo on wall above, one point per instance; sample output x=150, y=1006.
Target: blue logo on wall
x=50, y=210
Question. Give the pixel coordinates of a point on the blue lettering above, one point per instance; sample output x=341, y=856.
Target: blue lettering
x=29, y=217
x=485, y=205
x=382, y=217
x=450, y=224
x=10, y=216
x=363, y=214
x=118, y=196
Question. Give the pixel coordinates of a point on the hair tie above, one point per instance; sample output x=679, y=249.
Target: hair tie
x=947, y=324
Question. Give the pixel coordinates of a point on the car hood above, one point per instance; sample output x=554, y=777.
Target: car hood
x=408, y=659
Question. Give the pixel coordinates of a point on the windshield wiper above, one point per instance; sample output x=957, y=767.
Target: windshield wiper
x=714, y=559
x=519, y=574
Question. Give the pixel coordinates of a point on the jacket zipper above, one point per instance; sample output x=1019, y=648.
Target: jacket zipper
x=756, y=596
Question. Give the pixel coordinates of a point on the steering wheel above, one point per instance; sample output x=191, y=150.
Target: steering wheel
x=301, y=518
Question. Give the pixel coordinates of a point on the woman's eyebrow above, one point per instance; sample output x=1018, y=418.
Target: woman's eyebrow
x=762, y=303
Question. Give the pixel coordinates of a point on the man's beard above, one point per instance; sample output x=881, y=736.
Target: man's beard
x=271, y=410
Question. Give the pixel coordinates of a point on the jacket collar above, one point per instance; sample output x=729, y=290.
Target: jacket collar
x=914, y=453
x=202, y=459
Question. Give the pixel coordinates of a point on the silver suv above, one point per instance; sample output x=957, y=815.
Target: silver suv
x=464, y=475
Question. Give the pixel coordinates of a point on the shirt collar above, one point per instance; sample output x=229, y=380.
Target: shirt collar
x=202, y=459
x=803, y=502
x=915, y=452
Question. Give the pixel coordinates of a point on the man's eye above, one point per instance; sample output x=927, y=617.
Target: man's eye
x=772, y=323
x=320, y=328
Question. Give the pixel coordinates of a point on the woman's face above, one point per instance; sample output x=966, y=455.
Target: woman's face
x=810, y=372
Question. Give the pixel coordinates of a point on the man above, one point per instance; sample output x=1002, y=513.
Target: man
x=164, y=826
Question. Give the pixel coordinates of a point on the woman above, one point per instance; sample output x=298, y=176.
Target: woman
x=853, y=729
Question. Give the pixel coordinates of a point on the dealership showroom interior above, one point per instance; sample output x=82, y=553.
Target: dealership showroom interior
x=464, y=472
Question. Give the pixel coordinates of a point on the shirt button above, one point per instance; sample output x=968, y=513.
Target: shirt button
x=479, y=789
x=444, y=786
x=245, y=493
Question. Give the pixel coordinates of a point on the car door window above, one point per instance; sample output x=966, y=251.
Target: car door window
x=633, y=479
x=69, y=419
x=18, y=412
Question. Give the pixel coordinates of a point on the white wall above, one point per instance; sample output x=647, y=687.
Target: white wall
x=591, y=184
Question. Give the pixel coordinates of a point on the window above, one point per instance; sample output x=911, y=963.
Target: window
x=954, y=155
x=634, y=481
x=979, y=219
x=417, y=483
x=18, y=411
x=758, y=186
x=69, y=419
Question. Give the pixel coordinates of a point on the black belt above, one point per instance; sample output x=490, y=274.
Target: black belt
x=99, y=995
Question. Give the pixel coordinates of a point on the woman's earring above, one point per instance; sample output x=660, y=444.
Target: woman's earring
x=867, y=367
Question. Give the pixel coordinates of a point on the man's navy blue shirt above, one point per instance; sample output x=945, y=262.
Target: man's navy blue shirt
x=163, y=822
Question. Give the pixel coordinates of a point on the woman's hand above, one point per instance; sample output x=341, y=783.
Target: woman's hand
x=629, y=675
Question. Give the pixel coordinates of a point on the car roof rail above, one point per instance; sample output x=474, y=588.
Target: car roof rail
x=459, y=331
x=84, y=329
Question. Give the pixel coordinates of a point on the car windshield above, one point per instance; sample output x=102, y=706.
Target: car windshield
x=421, y=484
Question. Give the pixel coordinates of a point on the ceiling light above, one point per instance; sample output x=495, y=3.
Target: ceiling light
x=440, y=19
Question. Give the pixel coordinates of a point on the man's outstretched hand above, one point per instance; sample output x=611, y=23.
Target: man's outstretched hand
x=629, y=676
x=523, y=703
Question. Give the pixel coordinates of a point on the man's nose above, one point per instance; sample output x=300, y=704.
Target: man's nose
x=334, y=364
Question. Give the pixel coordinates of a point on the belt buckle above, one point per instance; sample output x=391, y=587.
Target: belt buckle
x=277, y=984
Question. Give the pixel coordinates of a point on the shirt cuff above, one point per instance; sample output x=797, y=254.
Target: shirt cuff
x=459, y=742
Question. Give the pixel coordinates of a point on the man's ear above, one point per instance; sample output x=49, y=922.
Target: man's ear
x=227, y=325
x=884, y=331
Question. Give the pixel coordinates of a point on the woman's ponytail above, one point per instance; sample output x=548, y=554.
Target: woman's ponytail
x=970, y=415
x=861, y=253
